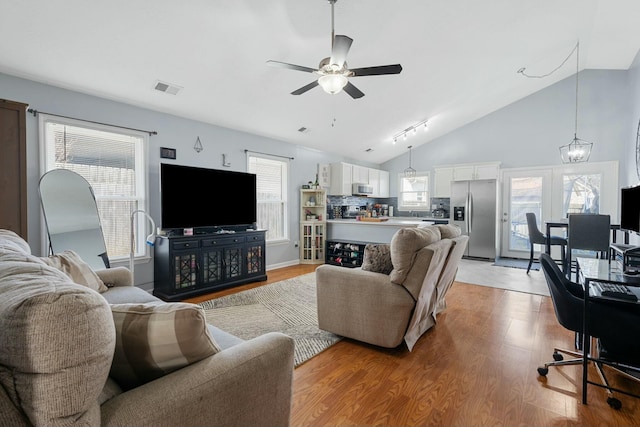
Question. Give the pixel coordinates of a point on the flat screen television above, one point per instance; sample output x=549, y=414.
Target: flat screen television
x=194, y=197
x=630, y=208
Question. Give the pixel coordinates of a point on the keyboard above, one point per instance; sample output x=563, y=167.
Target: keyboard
x=614, y=290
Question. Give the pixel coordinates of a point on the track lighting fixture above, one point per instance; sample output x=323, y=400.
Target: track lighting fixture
x=411, y=129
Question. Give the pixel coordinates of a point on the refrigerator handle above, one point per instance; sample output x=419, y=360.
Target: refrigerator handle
x=470, y=212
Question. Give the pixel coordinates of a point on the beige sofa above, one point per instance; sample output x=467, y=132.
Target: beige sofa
x=397, y=293
x=57, y=341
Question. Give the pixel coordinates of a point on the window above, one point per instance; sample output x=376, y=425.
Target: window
x=581, y=193
x=112, y=160
x=271, y=193
x=414, y=196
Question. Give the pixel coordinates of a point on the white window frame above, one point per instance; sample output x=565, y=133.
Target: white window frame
x=285, y=237
x=140, y=199
x=426, y=206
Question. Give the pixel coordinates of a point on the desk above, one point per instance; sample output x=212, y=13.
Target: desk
x=592, y=269
x=564, y=223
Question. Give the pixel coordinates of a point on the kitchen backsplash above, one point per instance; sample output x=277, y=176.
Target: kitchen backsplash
x=343, y=206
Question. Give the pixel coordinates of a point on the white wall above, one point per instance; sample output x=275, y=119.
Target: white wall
x=174, y=132
x=528, y=132
x=525, y=133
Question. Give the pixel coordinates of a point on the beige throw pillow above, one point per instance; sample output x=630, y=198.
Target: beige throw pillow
x=377, y=258
x=449, y=231
x=154, y=339
x=76, y=269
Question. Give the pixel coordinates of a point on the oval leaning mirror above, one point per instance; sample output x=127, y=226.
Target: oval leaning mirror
x=71, y=216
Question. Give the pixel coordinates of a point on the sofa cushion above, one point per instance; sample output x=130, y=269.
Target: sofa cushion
x=404, y=245
x=154, y=339
x=377, y=258
x=449, y=231
x=76, y=269
x=67, y=332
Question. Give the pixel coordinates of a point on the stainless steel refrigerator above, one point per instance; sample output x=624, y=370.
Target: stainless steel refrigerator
x=474, y=209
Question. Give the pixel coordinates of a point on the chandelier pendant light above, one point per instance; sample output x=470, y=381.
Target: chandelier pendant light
x=410, y=173
x=577, y=150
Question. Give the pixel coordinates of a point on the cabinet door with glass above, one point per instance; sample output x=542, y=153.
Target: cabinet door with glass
x=312, y=242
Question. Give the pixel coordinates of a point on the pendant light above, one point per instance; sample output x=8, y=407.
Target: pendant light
x=577, y=150
x=410, y=173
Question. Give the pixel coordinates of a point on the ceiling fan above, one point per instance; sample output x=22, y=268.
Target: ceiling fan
x=333, y=71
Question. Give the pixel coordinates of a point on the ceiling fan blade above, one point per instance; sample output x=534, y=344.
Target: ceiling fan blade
x=340, y=49
x=291, y=66
x=303, y=89
x=353, y=91
x=376, y=71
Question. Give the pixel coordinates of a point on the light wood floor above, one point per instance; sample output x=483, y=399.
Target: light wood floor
x=476, y=367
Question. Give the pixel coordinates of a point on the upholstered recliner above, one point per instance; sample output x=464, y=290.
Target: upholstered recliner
x=400, y=298
x=58, y=367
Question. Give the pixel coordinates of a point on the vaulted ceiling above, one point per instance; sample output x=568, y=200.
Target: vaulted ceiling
x=460, y=59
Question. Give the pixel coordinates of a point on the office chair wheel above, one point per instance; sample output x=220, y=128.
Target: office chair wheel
x=557, y=356
x=543, y=371
x=614, y=403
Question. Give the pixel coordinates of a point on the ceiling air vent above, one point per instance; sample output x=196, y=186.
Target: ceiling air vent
x=167, y=87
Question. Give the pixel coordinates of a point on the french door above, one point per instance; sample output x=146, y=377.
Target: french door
x=523, y=191
x=552, y=193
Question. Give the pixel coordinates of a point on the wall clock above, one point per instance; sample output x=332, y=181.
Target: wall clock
x=638, y=151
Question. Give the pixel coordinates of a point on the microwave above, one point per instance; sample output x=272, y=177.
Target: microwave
x=362, y=189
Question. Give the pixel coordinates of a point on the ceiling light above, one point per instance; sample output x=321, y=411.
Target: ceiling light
x=410, y=173
x=413, y=129
x=333, y=83
x=577, y=150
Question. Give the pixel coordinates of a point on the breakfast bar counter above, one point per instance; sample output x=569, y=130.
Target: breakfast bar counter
x=374, y=232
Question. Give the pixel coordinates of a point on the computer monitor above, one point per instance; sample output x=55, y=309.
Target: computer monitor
x=630, y=208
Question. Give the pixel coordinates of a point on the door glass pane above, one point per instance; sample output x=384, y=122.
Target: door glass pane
x=581, y=193
x=526, y=196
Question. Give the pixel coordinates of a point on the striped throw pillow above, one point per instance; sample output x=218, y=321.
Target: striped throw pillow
x=154, y=339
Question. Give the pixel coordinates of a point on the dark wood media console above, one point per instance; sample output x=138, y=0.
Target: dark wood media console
x=187, y=266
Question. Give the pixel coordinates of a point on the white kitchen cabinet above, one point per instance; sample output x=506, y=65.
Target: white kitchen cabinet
x=466, y=172
x=462, y=172
x=341, y=179
x=343, y=175
x=442, y=182
x=487, y=171
x=360, y=174
x=374, y=181
x=384, y=184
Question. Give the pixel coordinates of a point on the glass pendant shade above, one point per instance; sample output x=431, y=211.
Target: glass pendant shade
x=333, y=83
x=410, y=173
x=576, y=151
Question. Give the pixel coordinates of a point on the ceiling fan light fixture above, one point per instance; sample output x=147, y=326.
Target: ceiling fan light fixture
x=333, y=83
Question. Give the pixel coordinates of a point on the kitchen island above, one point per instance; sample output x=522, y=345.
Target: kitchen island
x=373, y=232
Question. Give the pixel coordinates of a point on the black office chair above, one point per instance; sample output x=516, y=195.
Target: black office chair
x=588, y=232
x=536, y=237
x=615, y=325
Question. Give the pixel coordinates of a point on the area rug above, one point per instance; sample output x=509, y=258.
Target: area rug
x=288, y=306
x=516, y=263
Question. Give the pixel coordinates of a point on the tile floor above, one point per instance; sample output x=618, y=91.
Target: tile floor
x=515, y=279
